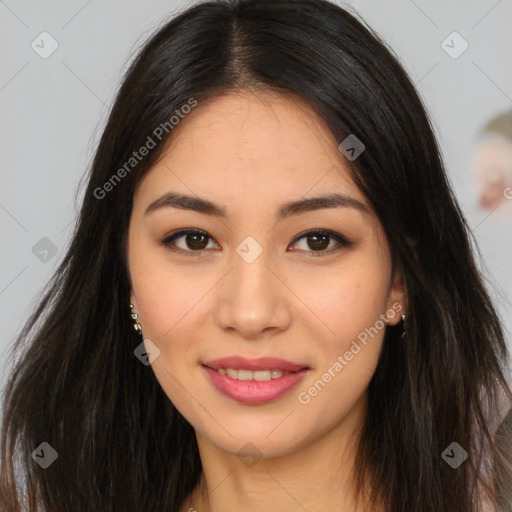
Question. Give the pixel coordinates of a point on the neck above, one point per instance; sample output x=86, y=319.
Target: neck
x=314, y=477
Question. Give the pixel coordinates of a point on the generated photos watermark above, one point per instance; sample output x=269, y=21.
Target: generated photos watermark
x=304, y=397
x=158, y=133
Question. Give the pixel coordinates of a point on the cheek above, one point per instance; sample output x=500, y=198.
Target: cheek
x=348, y=354
x=347, y=300
x=167, y=299
x=169, y=311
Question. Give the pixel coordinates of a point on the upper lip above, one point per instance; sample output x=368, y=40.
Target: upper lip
x=261, y=363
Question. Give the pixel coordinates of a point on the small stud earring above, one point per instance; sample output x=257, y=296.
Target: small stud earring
x=136, y=324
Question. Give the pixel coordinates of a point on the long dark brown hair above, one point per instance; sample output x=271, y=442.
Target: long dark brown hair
x=76, y=384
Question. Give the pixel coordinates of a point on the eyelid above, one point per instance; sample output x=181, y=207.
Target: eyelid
x=166, y=241
x=342, y=241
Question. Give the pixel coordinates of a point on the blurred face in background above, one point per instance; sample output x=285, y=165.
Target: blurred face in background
x=493, y=162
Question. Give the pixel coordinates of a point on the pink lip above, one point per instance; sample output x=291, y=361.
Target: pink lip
x=261, y=363
x=254, y=392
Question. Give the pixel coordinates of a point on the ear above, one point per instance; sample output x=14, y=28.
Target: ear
x=396, y=305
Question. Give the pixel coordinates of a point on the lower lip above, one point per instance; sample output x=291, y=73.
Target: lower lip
x=252, y=391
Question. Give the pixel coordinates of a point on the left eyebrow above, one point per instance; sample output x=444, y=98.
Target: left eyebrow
x=318, y=203
x=206, y=207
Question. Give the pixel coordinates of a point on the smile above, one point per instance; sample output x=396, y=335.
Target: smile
x=248, y=389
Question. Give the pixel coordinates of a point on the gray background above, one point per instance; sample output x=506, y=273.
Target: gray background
x=53, y=111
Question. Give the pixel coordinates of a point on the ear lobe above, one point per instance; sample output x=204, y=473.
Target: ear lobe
x=397, y=302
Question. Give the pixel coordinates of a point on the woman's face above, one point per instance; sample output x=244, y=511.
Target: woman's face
x=255, y=283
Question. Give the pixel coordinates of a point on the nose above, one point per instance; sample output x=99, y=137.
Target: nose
x=252, y=300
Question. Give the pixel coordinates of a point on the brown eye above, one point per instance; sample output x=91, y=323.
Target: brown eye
x=196, y=241
x=190, y=241
x=320, y=241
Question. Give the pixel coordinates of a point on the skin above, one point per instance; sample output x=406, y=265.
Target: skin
x=251, y=152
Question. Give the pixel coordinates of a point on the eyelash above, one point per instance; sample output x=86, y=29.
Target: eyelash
x=342, y=241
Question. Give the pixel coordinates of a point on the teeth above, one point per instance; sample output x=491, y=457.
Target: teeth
x=244, y=374
x=232, y=373
x=258, y=375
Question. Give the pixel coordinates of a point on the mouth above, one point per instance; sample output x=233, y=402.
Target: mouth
x=242, y=366
x=254, y=381
x=257, y=375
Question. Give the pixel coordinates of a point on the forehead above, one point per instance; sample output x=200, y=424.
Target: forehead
x=249, y=144
x=251, y=125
